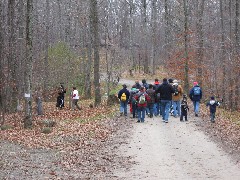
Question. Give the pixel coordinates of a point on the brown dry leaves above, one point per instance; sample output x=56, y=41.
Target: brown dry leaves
x=73, y=128
x=226, y=127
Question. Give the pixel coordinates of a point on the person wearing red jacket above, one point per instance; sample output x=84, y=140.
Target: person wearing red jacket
x=142, y=98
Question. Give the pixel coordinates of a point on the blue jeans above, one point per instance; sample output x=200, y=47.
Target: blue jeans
x=165, y=107
x=196, y=106
x=157, y=109
x=176, y=108
x=123, y=107
x=150, y=107
x=141, y=113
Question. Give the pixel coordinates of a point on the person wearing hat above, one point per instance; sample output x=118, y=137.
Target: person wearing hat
x=123, y=96
x=212, y=108
x=176, y=98
x=196, y=95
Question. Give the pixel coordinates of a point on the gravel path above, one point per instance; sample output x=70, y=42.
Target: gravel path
x=177, y=150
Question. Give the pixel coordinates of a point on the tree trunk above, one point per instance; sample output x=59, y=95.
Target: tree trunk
x=12, y=64
x=1, y=65
x=95, y=35
x=200, y=40
x=154, y=37
x=29, y=61
x=46, y=64
x=237, y=51
x=186, y=81
x=145, y=46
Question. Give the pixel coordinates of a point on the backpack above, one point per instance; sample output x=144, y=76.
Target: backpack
x=176, y=92
x=133, y=100
x=123, y=97
x=142, y=99
x=152, y=96
x=196, y=91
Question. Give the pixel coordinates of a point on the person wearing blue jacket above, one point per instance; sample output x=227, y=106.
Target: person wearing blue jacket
x=196, y=95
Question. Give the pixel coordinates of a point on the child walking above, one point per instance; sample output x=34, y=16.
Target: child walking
x=213, y=107
x=184, y=108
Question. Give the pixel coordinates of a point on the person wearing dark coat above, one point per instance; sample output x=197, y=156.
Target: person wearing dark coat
x=212, y=108
x=123, y=101
x=166, y=90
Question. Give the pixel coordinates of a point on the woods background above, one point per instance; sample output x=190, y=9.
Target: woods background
x=48, y=42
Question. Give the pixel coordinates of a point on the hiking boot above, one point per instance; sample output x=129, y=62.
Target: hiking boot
x=166, y=121
x=138, y=121
x=196, y=115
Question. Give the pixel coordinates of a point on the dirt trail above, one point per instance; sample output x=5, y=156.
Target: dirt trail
x=177, y=150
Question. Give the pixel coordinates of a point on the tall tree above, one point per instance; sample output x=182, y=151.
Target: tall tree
x=46, y=64
x=29, y=62
x=223, y=50
x=200, y=40
x=237, y=51
x=154, y=36
x=186, y=55
x=95, y=39
x=12, y=63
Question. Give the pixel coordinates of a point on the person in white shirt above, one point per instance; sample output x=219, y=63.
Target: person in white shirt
x=75, y=98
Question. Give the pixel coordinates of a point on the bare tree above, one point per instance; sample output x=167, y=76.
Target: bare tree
x=95, y=40
x=29, y=61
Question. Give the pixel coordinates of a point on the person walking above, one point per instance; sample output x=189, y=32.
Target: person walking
x=132, y=101
x=184, y=108
x=152, y=95
x=196, y=95
x=157, y=109
x=176, y=97
x=75, y=98
x=166, y=91
x=142, y=100
x=123, y=96
x=212, y=108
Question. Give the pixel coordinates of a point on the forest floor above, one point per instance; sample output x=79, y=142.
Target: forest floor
x=97, y=143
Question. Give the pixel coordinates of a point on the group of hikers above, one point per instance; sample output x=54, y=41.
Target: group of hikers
x=162, y=99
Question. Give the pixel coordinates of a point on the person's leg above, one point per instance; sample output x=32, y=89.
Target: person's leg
x=125, y=108
x=151, y=109
x=139, y=114
x=131, y=108
x=155, y=109
x=174, y=108
x=167, y=108
x=77, y=105
x=134, y=110
x=73, y=104
x=178, y=108
x=214, y=116
x=162, y=106
x=197, y=107
x=121, y=108
x=186, y=116
x=194, y=106
x=143, y=114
